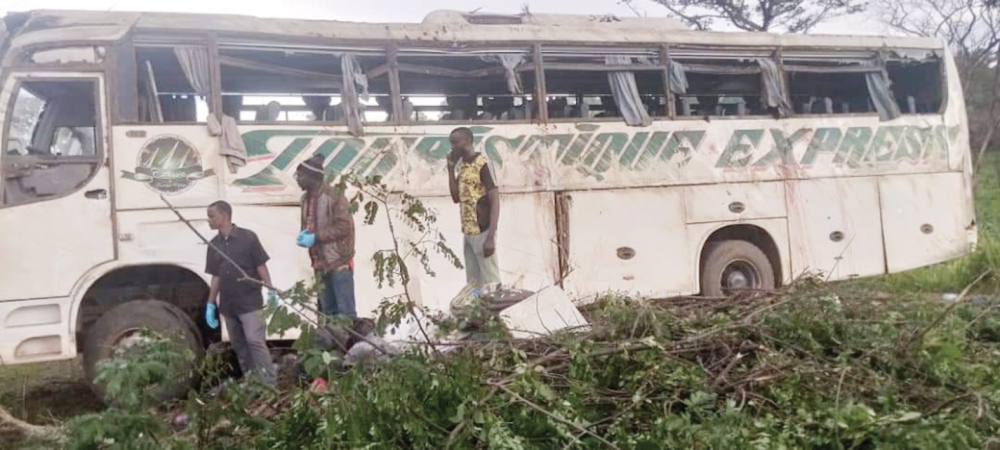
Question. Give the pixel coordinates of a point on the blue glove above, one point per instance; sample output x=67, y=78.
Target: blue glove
x=210, y=316
x=272, y=298
x=306, y=239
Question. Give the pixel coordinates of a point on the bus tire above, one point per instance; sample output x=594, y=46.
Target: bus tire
x=733, y=266
x=123, y=321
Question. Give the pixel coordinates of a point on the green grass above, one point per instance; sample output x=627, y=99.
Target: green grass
x=953, y=276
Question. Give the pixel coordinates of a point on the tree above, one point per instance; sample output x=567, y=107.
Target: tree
x=793, y=16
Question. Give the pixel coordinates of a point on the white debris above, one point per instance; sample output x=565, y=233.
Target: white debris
x=548, y=311
x=401, y=338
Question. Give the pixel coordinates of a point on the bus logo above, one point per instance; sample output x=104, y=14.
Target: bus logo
x=168, y=165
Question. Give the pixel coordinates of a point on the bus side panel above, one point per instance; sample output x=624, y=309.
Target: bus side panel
x=736, y=201
x=959, y=155
x=925, y=223
x=630, y=241
x=180, y=162
x=526, y=248
x=35, y=330
x=834, y=227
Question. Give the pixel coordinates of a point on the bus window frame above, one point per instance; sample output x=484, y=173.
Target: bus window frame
x=943, y=69
x=102, y=148
x=858, y=55
x=156, y=40
x=394, y=49
x=390, y=50
x=559, y=48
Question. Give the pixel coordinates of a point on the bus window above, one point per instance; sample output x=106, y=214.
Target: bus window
x=166, y=91
x=579, y=87
x=720, y=88
x=828, y=89
x=51, y=147
x=286, y=85
x=466, y=87
x=916, y=85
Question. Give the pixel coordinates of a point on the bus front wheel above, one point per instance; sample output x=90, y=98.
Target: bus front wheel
x=733, y=266
x=119, y=329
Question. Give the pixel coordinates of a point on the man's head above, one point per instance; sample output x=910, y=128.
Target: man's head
x=461, y=142
x=310, y=173
x=220, y=214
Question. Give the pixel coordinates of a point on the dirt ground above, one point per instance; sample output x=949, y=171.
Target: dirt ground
x=45, y=393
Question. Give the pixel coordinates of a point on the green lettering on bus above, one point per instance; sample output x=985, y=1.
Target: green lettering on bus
x=740, y=149
x=593, y=153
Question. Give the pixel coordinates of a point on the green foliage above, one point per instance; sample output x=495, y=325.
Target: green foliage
x=812, y=368
x=130, y=377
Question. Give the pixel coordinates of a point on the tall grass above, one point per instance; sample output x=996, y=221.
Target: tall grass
x=954, y=275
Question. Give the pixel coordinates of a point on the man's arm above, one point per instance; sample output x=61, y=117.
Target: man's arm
x=213, y=290
x=493, y=196
x=264, y=275
x=491, y=245
x=212, y=268
x=452, y=180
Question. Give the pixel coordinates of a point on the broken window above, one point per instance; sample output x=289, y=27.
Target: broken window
x=720, y=87
x=173, y=84
x=917, y=85
x=589, y=84
x=69, y=55
x=487, y=86
x=290, y=85
x=52, y=147
x=829, y=87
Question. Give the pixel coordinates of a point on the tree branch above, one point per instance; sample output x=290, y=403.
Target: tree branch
x=30, y=431
x=760, y=15
x=553, y=416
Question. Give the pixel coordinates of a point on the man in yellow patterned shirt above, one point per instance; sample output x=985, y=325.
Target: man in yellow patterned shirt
x=474, y=189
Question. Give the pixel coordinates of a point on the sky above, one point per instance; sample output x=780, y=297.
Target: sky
x=390, y=10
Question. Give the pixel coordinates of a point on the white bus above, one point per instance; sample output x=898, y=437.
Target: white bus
x=633, y=155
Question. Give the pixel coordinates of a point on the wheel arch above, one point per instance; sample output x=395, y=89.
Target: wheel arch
x=100, y=280
x=756, y=234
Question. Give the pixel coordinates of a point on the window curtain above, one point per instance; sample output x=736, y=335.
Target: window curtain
x=775, y=91
x=510, y=62
x=678, y=78
x=194, y=63
x=881, y=94
x=626, y=92
x=354, y=91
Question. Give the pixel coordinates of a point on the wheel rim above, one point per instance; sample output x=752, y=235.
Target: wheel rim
x=740, y=276
x=127, y=339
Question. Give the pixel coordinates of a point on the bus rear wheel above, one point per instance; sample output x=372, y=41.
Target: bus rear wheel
x=731, y=267
x=120, y=329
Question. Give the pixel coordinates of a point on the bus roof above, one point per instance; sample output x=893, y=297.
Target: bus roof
x=50, y=28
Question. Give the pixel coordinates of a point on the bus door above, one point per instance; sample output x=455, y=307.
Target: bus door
x=55, y=206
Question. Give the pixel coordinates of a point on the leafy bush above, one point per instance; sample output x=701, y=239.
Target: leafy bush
x=812, y=367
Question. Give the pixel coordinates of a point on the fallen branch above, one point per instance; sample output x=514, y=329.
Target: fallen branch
x=553, y=416
x=41, y=432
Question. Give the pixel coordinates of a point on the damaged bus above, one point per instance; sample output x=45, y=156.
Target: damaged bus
x=632, y=155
